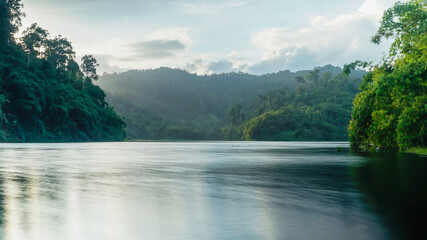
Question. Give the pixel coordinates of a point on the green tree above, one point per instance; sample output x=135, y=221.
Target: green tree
x=59, y=51
x=391, y=110
x=34, y=40
x=48, y=100
x=300, y=81
x=10, y=20
x=313, y=77
x=88, y=66
x=236, y=115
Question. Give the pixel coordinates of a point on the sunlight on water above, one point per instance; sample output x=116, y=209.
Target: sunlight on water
x=191, y=190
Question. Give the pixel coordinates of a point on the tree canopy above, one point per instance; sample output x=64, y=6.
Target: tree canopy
x=174, y=104
x=43, y=93
x=391, y=110
x=319, y=109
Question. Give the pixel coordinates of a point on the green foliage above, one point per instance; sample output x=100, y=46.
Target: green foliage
x=89, y=65
x=34, y=40
x=155, y=103
x=406, y=23
x=44, y=97
x=10, y=20
x=419, y=151
x=319, y=109
x=59, y=51
x=391, y=110
x=236, y=115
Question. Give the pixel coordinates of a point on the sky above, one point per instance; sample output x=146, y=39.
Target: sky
x=215, y=36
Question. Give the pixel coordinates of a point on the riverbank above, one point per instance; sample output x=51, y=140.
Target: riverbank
x=420, y=151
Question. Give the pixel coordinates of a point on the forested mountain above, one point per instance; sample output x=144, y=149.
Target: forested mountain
x=391, y=110
x=319, y=109
x=174, y=104
x=44, y=94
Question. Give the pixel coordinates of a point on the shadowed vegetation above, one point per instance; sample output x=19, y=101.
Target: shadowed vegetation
x=44, y=94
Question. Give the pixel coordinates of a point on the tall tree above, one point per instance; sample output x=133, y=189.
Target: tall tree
x=391, y=112
x=313, y=77
x=88, y=66
x=10, y=20
x=236, y=115
x=49, y=101
x=300, y=80
x=59, y=51
x=35, y=40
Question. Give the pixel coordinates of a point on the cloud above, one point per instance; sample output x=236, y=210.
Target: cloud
x=163, y=45
x=210, y=9
x=155, y=49
x=376, y=7
x=335, y=40
x=201, y=35
x=180, y=34
x=197, y=66
x=295, y=59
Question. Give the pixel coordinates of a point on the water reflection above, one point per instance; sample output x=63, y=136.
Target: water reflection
x=187, y=191
x=396, y=187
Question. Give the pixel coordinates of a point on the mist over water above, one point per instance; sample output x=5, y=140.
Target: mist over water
x=201, y=190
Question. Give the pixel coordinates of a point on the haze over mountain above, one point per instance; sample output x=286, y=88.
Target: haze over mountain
x=174, y=104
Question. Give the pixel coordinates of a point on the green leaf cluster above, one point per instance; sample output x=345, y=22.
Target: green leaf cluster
x=44, y=96
x=319, y=109
x=391, y=110
x=170, y=104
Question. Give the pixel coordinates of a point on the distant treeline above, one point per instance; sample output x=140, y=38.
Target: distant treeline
x=168, y=103
x=44, y=94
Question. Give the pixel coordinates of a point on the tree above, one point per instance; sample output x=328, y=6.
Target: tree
x=59, y=51
x=407, y=24
x=326, y=76
x=10, y=20
x=236, y=115
x=34, y=40
x=391, y=110
x=313, y=77
x=88, y=66
x=48, y=101
x=300, y=80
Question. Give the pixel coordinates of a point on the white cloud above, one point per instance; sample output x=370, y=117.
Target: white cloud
x=197, y=66
x=327, y=39
x=376, y=7
x=163, y=47
x=238, y=62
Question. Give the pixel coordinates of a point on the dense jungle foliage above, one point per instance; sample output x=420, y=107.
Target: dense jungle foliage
x=44, y=94
x=391, y=110
x=174, y=104
x=319, y=109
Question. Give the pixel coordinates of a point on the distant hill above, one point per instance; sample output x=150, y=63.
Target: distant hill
x=160, y=103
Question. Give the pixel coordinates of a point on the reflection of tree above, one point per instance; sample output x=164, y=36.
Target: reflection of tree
x=396, y=186
x=24, y=193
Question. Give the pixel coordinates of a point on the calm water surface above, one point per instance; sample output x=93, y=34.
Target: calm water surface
x=207, y=190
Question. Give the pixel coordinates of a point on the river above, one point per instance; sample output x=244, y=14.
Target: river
x=208, y=190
